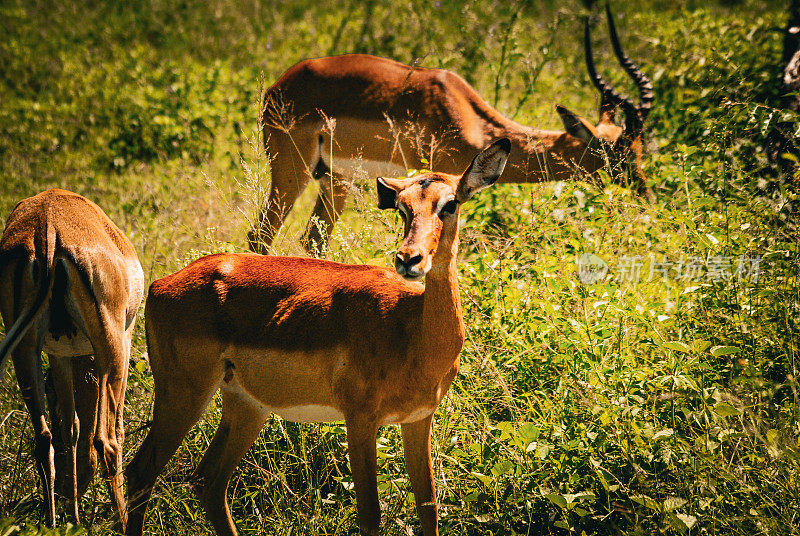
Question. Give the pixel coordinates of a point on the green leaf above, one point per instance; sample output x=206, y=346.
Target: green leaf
x=485, y=479
x=557, y=499
x=724, y=350
x=677, y=346
x=681, y=522
x=529, y=433
x=646, y=501
x=580, y=497
x=673, y=503
x=663, y=434
x=701, y=346
x=725, y=410
x=542, y=450
x=502, y=467
x=771, y=435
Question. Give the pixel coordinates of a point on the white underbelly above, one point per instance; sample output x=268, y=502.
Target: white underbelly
x=315, y=413
x=76, y=345
x=301, y=413
x=308, y=413
x=416, y=415
x=359, y=167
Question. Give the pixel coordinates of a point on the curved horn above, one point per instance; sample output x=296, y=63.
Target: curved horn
x=643, y=83
x=606, y=91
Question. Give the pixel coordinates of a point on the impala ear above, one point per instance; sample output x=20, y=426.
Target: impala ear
x=574, y=125
x=387, y=193
x=484, y=170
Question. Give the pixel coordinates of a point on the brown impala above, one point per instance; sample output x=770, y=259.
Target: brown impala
x=388, y=116
x=313, y=341
x=70, y=284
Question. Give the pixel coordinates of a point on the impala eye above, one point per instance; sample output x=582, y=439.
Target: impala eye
x=448, y=208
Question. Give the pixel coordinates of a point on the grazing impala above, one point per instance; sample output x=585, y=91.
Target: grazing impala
x=388, y=116
x=313, y=341
x=70, y=284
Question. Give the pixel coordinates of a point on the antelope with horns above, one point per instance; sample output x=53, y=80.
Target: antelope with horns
x=388, y=116
x=71, y=285
x=313, y=341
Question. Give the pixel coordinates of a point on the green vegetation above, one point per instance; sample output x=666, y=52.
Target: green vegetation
x=658, y=406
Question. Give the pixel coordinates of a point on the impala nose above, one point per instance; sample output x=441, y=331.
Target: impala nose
x=407, y=264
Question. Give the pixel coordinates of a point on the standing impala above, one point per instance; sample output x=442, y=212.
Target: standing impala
x=313, y=341
x=388, y=116
x=70, y=284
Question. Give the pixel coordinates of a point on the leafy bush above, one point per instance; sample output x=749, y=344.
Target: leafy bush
x=638, y=406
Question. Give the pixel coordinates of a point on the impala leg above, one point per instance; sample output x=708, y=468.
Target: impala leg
x=28, y=369
x=177, y=407
x=363, y=463
x=112, y=370
x=330, y=204
x=84, y=381
x=118, y=429
x=61, y=452
x=290, y=176
x=239, y=428
x=84, y=384
x=61, y=370
x=417, y=450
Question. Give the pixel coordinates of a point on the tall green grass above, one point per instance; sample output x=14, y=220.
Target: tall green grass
x=662, y=406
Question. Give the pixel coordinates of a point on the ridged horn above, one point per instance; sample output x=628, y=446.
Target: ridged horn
x=607, y=94
x=643, y=83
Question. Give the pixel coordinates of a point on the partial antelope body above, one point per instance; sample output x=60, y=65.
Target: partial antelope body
x=313, y=341
x=389, y=116
x=70, y=284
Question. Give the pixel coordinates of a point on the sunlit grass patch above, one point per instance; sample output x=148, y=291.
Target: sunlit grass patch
x=650, y=400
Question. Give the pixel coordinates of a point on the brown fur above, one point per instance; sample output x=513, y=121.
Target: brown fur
x=70, y=284
x=282, y=333
x=360, y=92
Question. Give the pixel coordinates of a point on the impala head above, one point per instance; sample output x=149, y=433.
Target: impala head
x=429, y=204
x=618, y=146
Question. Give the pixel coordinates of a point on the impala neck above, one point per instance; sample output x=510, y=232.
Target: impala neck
x=442, y=323
x=542, y=155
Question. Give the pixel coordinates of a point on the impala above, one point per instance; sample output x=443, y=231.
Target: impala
x=70, y=284
x=328, y=118
x=313, y=341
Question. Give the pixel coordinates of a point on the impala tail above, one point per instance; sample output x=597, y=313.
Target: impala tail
x=43, y=293
x=320, y=169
